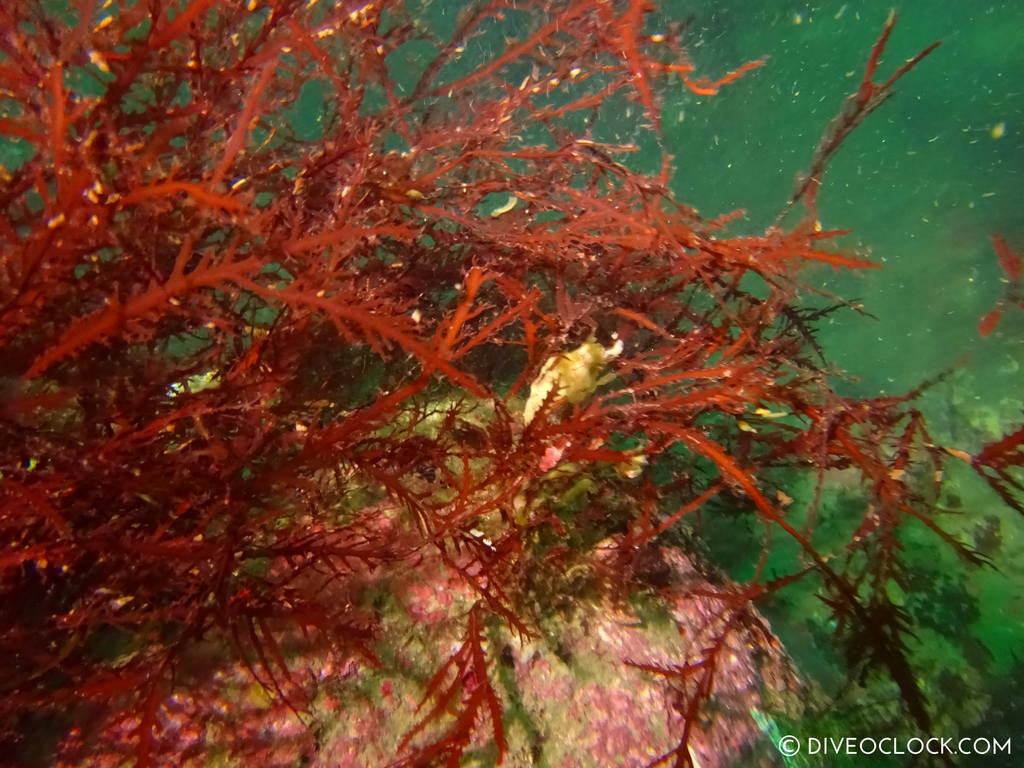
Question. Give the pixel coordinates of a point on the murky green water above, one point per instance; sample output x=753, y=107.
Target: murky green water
x=924, y=183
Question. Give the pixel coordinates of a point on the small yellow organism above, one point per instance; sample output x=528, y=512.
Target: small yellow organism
x=998, y=131
x=573, y=376
x=501, y=210
x=195, y=383
x=632, y=468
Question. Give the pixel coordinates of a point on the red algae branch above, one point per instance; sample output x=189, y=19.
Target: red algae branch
x=349, y=413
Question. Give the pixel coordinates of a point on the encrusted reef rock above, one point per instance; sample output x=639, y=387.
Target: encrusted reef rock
x=585, y=690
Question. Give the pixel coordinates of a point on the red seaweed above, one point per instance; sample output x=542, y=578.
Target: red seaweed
x=1010, y=263
x=257, y=376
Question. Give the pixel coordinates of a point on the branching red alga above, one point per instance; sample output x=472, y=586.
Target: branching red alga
x=284, y=320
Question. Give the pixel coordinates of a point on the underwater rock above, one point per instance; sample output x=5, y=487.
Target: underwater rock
x=576, y=696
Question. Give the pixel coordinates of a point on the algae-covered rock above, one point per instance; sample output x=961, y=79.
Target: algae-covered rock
x=579, y=693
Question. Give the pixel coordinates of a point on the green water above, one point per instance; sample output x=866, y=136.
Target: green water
x=924, y=183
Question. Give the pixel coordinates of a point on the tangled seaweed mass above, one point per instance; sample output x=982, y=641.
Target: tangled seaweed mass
x=355, y=385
